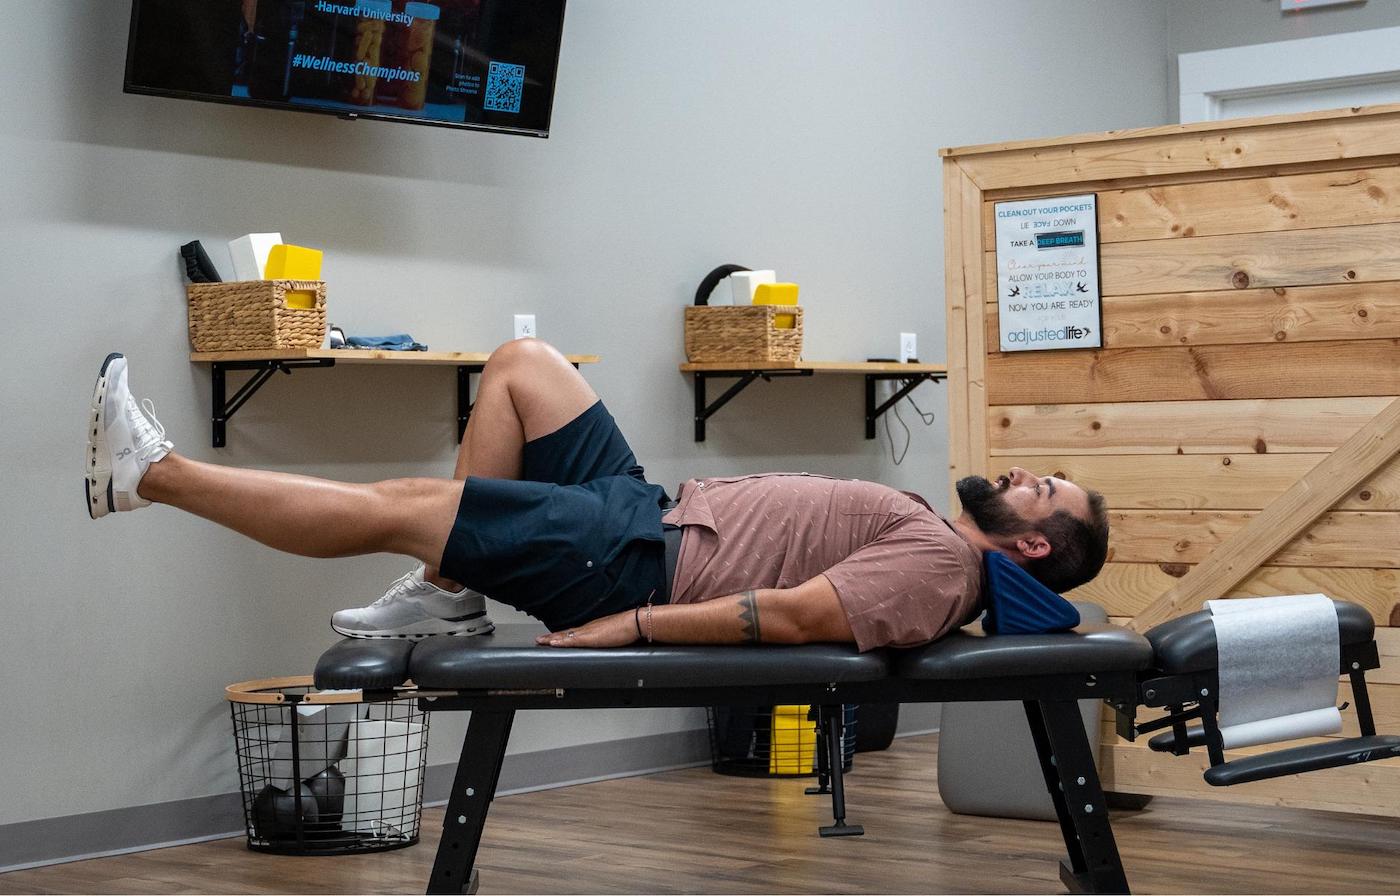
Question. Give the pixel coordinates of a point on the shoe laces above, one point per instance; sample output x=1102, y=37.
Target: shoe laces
x=401, y=587
x=148, y=434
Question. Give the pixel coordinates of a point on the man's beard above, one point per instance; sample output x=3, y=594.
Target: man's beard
x=985, y=502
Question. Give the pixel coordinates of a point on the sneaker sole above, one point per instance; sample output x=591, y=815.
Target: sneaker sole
x=99, y=476
x=468, y=627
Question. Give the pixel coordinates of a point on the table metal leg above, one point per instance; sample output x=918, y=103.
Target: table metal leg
x=473, y=789
x=1067, y=764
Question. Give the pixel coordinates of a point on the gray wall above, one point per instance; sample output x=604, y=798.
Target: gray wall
x=797, y=135
x=1194, y=25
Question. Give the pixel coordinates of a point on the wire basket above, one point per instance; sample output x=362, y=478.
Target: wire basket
x=773, y=741
x=324, y=773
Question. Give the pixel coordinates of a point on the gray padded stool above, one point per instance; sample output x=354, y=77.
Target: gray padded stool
x=986, y=759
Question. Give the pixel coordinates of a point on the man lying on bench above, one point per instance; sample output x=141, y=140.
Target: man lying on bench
x=549, y=512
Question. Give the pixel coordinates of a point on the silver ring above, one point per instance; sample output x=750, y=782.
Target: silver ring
x=569, y=633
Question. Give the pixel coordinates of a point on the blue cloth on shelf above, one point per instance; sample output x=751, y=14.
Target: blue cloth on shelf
x=401, y=342
x=1017, y=604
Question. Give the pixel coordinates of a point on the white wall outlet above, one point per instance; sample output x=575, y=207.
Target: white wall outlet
x=524, y=326
x=908, y=347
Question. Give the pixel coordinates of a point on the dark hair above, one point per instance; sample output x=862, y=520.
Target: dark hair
x=1078, y=548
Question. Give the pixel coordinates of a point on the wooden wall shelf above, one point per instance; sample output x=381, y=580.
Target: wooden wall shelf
x=267, y=362
x=908, y=375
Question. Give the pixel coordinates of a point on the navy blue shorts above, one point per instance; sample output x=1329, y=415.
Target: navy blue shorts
x=578, y=537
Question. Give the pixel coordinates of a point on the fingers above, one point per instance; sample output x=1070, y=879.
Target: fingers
x=609, y=631
x=568, y=638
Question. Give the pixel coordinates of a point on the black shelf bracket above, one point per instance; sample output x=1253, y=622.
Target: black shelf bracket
x=225, y=408
x=705, y=411
x=464, y=396
x=909, y=381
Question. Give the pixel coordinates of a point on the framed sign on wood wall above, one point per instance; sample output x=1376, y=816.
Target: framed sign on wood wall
x=1048, y=273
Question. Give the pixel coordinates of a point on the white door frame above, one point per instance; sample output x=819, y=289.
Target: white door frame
x=1210, y=76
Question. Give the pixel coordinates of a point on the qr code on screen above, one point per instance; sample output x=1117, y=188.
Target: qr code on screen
x=504, y=82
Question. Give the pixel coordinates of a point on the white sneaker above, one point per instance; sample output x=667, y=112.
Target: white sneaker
x=123, y=441
x=413, y=608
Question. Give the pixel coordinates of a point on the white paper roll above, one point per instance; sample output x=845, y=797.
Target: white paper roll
x=1278, y=662
x=1313, y=723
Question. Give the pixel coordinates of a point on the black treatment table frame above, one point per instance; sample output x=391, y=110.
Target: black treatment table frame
x=1175, y=667
x=1185, y=680
x=495, y=676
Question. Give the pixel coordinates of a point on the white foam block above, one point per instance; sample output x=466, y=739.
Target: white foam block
x=249, y=254
x=743, y=284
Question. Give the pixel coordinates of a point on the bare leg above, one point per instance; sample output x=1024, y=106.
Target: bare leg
x=527, y=390
x=312, y=517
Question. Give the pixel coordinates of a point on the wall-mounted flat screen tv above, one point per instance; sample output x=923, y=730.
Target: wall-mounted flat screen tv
x=484, y=64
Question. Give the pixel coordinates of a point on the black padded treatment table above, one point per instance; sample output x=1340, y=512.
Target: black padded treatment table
x=495, y=675
x=1172, y=667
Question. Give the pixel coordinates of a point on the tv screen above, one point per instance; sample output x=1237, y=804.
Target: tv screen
x=485, y=64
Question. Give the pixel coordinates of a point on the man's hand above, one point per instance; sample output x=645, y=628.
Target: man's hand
x=617, y=630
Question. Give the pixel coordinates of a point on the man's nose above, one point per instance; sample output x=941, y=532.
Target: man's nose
x=1018, y=475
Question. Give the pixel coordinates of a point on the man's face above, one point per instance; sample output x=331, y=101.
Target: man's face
x=1016, y=502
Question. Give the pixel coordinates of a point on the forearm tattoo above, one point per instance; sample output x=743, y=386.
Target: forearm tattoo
x=748, y=615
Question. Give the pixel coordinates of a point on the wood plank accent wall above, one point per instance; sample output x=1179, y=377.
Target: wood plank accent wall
x=1250, y=273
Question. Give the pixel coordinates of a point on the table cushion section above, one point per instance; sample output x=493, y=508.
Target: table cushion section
x=969, y=653
x=364, y=663
x=509, y=659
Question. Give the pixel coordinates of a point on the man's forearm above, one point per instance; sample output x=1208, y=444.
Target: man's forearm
x=736, y=619
x=809, y=612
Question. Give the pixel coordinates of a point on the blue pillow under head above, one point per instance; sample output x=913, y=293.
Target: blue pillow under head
x=1017, y=604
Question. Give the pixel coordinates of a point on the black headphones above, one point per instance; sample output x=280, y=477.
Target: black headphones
x=707, y=286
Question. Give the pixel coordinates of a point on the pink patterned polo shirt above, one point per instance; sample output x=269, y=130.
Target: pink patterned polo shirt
x=903, y=574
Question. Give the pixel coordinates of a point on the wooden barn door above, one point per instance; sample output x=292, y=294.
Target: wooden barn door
x=1242, y=417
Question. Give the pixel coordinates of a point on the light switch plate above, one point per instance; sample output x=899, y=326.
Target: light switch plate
x=908, y=347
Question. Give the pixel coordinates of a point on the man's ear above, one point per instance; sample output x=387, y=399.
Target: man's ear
x=1033, y=546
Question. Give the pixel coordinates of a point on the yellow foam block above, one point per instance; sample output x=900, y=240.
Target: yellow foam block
x=777, y=294
x=287, y=262
x=794, y=740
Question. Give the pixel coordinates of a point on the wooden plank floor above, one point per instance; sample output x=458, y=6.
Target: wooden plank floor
x=693, y=831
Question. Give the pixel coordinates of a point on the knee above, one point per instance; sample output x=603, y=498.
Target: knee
x=528, y=353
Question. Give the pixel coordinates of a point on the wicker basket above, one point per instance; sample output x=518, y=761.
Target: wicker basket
x=255, y=314
x=741, y=333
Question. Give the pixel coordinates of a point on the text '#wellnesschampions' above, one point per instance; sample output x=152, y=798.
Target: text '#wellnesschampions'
x=326, y=64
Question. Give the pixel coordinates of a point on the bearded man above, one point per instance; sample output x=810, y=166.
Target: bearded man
x=548, y=511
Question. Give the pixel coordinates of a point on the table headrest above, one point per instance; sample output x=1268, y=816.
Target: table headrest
x=1187, y=643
